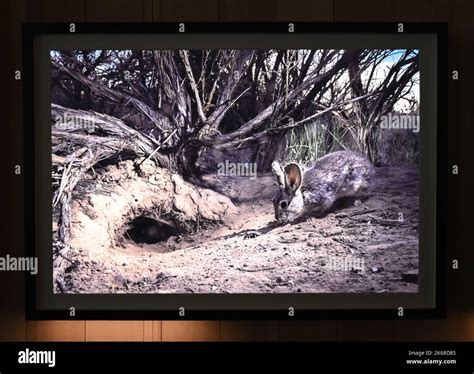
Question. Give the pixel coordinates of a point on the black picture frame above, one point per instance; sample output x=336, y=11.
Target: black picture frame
x=30, y=31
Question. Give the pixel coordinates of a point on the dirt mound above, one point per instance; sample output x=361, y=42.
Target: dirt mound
x=124, y=206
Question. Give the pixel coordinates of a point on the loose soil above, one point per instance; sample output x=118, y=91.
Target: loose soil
x=224, y=238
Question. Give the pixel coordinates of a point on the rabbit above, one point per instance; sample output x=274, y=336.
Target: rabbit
x=341, y=174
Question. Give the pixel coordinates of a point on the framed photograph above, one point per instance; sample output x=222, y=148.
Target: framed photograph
x=236, y=171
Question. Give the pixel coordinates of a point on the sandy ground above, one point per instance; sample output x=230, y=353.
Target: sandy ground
x=365, y=247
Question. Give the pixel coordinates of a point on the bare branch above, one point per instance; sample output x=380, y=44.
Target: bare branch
x=192, y=82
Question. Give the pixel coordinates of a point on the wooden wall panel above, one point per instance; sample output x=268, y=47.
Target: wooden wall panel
x=462, y=112
x=310, y=331
x=128, y=331
x=12, y=316
x=148, y=13
x=148, y=331
x=249, y=331
x=365, y=330
x=421, y=10
x=61, y=10
x=459, y=326
x=156, y=9
x=66, y=331
x=247, y=10
x=114, y=11
x=367, y=10
x=457, y=249
x=188, y=10
x=152, y=331
x=305, y=10
x=177, y=331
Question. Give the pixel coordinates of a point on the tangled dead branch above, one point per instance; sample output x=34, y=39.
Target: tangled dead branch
x=75, y=151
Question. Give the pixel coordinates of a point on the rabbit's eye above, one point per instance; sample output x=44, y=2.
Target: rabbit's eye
x=283, y=204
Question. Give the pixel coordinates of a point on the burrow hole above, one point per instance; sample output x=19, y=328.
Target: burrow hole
x=143, y=229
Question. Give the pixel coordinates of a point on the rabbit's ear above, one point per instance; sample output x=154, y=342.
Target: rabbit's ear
x=278, y=172
x=293, y=177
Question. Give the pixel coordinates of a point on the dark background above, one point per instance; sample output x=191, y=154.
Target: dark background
x=459, y=325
